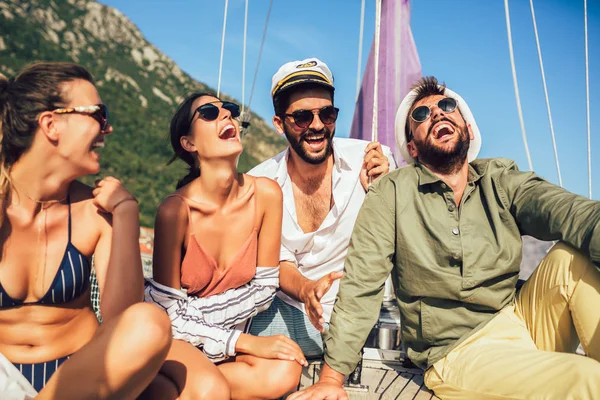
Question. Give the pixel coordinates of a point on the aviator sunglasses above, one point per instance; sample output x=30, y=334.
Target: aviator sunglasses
x=98, y=111
x=210, y=112
x=421, y=113
x=304, y=118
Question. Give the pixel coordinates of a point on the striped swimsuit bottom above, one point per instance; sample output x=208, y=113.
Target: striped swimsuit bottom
x=39, y=374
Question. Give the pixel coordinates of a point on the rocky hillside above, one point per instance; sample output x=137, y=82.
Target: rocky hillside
x=140, y=85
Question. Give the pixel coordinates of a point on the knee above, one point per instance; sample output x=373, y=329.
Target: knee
x=149, y=330
x=209, y=388
x=284, y=377
x=564, y=257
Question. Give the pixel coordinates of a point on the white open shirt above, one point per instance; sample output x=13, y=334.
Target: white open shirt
x=318, y=253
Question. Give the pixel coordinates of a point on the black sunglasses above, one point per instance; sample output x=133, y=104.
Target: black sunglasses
x=210, y=112
x=303, y=118
x=421, y=113
x=98, y=111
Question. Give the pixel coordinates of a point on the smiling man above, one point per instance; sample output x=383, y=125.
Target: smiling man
x=324, y=180
x=449, y=229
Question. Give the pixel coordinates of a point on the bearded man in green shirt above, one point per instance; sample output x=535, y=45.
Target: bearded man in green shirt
x=448, y=228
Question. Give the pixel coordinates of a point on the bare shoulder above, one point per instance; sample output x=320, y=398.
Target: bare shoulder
x=268, y=189
x=81, y=197
x=172, y=209
x=80, y=192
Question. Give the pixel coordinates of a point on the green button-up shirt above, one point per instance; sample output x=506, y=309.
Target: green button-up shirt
x=453, y=266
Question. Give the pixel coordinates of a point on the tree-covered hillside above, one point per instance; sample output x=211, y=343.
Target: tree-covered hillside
x=140, y=85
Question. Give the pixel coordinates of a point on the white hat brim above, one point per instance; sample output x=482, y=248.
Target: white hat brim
x=402, y=115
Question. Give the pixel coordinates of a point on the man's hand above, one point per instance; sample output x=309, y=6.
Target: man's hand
x=329, y=387
x=375, y=164
x=325, y=389
x=311, y=295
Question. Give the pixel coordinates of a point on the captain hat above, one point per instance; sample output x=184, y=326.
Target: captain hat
x=293, y=73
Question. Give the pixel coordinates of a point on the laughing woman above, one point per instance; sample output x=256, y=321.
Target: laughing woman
x=216, y=256
x=51, y=122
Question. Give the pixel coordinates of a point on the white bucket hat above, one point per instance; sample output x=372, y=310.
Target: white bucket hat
x=402, y=115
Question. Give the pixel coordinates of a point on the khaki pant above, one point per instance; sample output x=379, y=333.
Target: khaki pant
x=527, y=350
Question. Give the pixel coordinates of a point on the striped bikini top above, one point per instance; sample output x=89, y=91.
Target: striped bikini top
x=200, y=273
x=71, y=280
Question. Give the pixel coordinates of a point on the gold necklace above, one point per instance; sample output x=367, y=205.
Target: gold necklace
x=44, y=206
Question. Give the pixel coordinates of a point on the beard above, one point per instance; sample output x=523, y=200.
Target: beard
x=442, y=160
x=299, y=145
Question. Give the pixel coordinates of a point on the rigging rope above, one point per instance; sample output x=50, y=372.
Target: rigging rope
x=360, y=46
x=587, y=99
x=222, y=48
x=539, y=50
x=245, y=124
x=260, y=53
x=516, y=84
x=376, y=65
x=244, y=55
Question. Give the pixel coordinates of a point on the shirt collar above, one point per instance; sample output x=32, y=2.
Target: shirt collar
x=281, y=173
x=427, y=177
x=340, y=162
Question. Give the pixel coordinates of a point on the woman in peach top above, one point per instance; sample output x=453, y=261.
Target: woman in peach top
x=216, y=260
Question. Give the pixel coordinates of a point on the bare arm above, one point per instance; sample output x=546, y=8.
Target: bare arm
x=117, y=257
x=291, y=281
x=169, y=235
x=270, y=201
x=269, y=242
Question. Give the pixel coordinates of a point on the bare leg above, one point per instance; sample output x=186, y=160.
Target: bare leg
x=161, y=388
x=119, y=362
x=188, y=374
x=251, y=377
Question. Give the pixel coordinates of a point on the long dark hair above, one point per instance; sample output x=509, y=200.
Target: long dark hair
x=180, y=126
x=35, y=89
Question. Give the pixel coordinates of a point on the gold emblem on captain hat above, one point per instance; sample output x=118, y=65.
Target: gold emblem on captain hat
x=307, y=65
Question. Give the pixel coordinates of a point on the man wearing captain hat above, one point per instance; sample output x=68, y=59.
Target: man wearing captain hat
x=448, y=227
x=324, y=180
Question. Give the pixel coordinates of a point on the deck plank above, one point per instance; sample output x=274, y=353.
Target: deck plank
x=385, y=381
x=306, y=379
x=412, y=388
x=396, y=386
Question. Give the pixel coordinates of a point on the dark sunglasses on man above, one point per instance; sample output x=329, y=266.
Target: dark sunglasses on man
x=303, y=118
x=421, y=113
x=210, y=111
x=98, y=111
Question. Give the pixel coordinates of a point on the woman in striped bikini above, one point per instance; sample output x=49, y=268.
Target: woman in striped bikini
x=216, y=256
x=52, y=120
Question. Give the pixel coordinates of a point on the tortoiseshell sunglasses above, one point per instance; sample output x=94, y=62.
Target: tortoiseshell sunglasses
x=98, y=111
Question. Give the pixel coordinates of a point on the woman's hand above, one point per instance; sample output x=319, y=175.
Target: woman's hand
x=271, y=347
x=110, y=194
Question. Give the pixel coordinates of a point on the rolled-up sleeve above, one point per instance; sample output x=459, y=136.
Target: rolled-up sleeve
x=212, y=323
x=367, y=266
x=286, y=254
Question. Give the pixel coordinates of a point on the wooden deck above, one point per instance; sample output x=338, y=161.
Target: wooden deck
x=383, y=377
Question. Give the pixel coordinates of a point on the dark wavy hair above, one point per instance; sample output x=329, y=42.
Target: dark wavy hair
x=425, y=87
x=180, y=126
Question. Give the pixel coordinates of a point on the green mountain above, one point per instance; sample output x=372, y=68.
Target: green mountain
x=141, y=86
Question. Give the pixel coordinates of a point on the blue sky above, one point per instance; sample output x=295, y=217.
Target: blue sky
x=461, y=42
